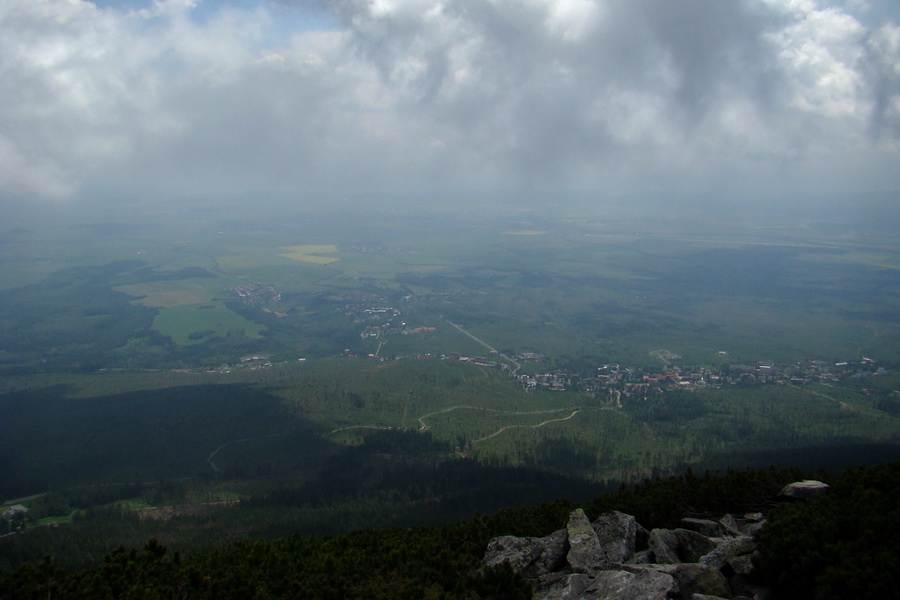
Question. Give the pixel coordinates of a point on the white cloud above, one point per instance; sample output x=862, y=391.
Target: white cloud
x=442, y=93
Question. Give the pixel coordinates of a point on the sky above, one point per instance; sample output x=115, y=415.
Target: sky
x=136, y=100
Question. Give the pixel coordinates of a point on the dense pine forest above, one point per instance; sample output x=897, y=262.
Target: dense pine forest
x=837, y=545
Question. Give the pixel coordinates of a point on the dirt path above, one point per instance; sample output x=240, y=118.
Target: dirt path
x=423, y=426
x=359, y=427
x=502, y=429
x=210, y=458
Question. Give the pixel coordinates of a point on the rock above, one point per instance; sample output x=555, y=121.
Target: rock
x=730, y=525
x=701, y=526
x=742, y=586
x=641, y=537
x=530, y=556
x=694, y=578
x=803, y=490
x=562, y=586
x=616, y=533
x=754, y=517
x=622, y=585
x=599, y=561
x=553, y=553
x=584, y=547
x=690, y=578
x=641, y=558
x=664, y=545
x=730, y=548
x=742, y=565
x=518, y=552
x=679, y=545
x=753, y=529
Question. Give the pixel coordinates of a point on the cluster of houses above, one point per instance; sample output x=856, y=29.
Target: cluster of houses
x=256, y=294
x=636, y=382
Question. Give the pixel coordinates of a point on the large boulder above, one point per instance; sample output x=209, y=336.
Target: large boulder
x=694, y=578
x=728, y=549
x=701, y=526
x=803, y=490
x=584, y=554
x=529, y=555
x=689, y=578
x=616, y=533
x=606, y=585
x=561, y=586
x=671, y=546
x=553, y=553
x=622, y=585
x=743, y=564
x=730, y=525
x=518, y=552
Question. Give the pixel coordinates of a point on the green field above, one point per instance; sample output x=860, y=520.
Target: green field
x=195, y=323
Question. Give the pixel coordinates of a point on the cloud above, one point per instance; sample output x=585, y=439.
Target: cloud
x=179, y=97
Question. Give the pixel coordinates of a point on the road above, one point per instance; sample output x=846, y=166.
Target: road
x=485, y=344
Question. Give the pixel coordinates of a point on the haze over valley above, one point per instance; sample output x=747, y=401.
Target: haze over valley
x=273, y=267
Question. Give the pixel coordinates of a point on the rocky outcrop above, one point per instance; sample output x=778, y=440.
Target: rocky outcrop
x=613, y=557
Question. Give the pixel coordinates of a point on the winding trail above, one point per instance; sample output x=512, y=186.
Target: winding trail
x=842, y=404
x=502, y=429
x=359, y=427
x=210, y=458
x=423, y=426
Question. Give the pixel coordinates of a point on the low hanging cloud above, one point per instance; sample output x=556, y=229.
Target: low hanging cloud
x=177, y=98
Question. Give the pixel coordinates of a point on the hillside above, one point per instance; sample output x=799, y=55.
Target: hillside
x=820, y=549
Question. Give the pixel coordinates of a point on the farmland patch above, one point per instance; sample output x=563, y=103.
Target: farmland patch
x=311, y=253
x=196, y=323
x=167, y=294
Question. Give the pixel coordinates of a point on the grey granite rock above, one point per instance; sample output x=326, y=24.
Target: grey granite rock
x=742, y=565
x=730, y=525
x=562, y=586
x=729, y=548
x=641, y=558
x=528, y=555
x=518, y=552
x=616, y=533
x=679, y=545
x=622, y=585
x=701, y=526
x=584, y=554
x=804, y=490
x=553, y=553
x=693, y=578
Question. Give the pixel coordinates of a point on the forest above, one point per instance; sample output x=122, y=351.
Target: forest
x=838, y=545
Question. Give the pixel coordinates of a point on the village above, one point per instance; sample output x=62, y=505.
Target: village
x=641, y=382
x=609, y=378
x=379, y=320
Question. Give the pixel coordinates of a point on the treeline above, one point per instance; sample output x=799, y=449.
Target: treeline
x=840, y=545
x=51, y=441
x=814, y=550
x=394, y=479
